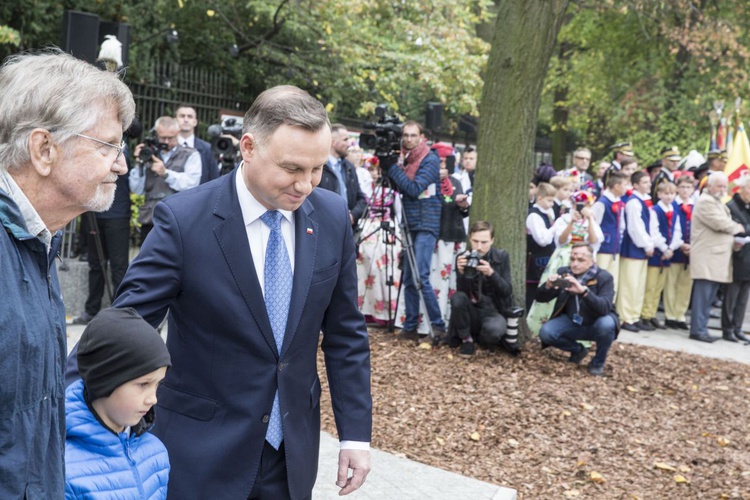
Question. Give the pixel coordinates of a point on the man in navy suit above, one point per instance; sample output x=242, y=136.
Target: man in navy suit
x=204, y=263
x=187, y=117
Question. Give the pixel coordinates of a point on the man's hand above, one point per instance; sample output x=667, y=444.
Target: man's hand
x=685, y=248
x=650, y=253
x=462, y=200
x=668, y=253
x=359, y=462
x=575, y=285
x=461, y=263
x=157, y=167
x=485, y=268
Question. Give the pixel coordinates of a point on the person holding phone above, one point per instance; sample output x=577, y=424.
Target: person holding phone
x=584, y=309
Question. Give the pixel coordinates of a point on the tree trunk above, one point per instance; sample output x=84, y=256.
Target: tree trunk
x=525, y=36
x=560, y=110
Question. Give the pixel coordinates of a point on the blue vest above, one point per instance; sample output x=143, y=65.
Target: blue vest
x=679, y=257
x=667, y=230
x=611, y=228
x=537, y=256
x=629, y=249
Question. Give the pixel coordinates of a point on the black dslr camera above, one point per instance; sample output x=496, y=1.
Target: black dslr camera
x=223, y=147
x=472, y=261
x=151, y=147
x=385, y=139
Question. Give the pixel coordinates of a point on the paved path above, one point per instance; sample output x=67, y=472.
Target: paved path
x=397, y=478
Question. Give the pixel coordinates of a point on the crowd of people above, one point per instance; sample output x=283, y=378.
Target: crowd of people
x=642, y=225
x=308, y=235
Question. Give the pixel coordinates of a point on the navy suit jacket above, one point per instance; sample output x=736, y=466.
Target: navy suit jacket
x=214, y=404
x=210, y=167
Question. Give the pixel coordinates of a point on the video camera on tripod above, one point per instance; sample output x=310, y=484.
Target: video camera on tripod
x=385, y=139
x=222, y=144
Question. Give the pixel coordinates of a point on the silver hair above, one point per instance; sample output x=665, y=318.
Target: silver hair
x=166, y=122
x=57, y=92
x=716, y=177
x=284, y=105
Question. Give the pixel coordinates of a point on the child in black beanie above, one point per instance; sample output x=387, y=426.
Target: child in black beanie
x=108, y=451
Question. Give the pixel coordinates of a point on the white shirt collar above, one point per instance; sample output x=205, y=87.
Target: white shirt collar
x=190, y=141
x=34, y=223
x=252, y=208
x=610, y=195
x=666, y=208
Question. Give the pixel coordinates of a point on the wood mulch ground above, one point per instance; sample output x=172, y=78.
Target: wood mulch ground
x=660, y=424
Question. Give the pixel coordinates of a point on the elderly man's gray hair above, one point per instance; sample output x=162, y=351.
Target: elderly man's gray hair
x=57, y=92
x=715, y=177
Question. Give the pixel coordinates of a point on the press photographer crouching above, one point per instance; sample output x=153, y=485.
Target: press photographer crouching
x=481, y=308
x=583, y=311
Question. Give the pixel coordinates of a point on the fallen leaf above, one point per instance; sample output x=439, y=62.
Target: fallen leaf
x=425, y=345
x=565, y=413
x=722, y=387
x=679, y=478
x=663, y=466
x=722, y=441
x=513, y=443
x=571, y=493
x=587, y=406
x=474, y=436
x=683, y=468
x=450, y=356
x=580, y=463
x=631, y=388
x=596, y=477
x=440, y=441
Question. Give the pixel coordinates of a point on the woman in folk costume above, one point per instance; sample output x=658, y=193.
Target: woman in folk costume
x=578, y=225
x=379, y=247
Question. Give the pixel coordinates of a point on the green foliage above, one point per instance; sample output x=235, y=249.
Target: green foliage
x=9, y=36
x=648, y=71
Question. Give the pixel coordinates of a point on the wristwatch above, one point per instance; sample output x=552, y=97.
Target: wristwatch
x=585, y=291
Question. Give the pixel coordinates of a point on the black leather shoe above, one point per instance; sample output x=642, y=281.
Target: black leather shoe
x=645, y=325
x=741, y=337
x=728, y=336
x=578, y=356
x=680, y=325
x=409, y=335
x=704, y=338
x=596, y=371
x=657, y=324
x=631, y=327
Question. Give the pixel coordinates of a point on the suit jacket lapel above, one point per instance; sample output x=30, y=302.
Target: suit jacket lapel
x=231, y=236
x=306, y=246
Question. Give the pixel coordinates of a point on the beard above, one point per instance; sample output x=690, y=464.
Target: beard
x=102, y=199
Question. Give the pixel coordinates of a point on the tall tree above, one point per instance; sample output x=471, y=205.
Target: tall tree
x=523, y=42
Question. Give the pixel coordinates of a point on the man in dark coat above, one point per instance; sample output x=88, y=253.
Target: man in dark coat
x=735, y=298
x=584, y=309
x=340, y=176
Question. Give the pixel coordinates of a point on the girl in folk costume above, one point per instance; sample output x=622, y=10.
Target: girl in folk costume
x=578, y=225
x=379, y=247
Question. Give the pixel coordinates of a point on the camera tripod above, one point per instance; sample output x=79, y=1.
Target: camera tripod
x=387, y=230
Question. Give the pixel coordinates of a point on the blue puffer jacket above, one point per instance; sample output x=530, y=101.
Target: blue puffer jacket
x=103, y=465
x=32, y=357
x=422, y=211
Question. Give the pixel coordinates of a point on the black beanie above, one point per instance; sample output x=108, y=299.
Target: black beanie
x=116, y=347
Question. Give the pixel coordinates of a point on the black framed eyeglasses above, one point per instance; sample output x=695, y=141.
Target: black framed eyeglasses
x=104, y=143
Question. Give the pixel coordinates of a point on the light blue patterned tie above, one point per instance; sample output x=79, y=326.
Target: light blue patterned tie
x=278, y=278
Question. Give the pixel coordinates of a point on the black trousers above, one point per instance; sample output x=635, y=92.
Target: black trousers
x=481, y=321
x=114, y=235
x=734, y=306
x=271, y=483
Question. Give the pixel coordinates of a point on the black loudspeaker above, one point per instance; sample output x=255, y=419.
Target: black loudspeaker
x=433, y=116
x=121, y=31
x=80, y=35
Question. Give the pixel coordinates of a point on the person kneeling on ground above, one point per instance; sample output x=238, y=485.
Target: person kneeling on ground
x=483, y=298
x=108, y=451
x=583, y=311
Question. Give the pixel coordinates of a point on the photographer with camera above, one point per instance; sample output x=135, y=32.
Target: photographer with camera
x=163, y=167
x=418, y=181
x=584, y=309
x=482, y=306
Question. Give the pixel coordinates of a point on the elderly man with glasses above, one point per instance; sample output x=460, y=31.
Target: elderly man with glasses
x=163, y=169
x=581, y=164
x=61, y=128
